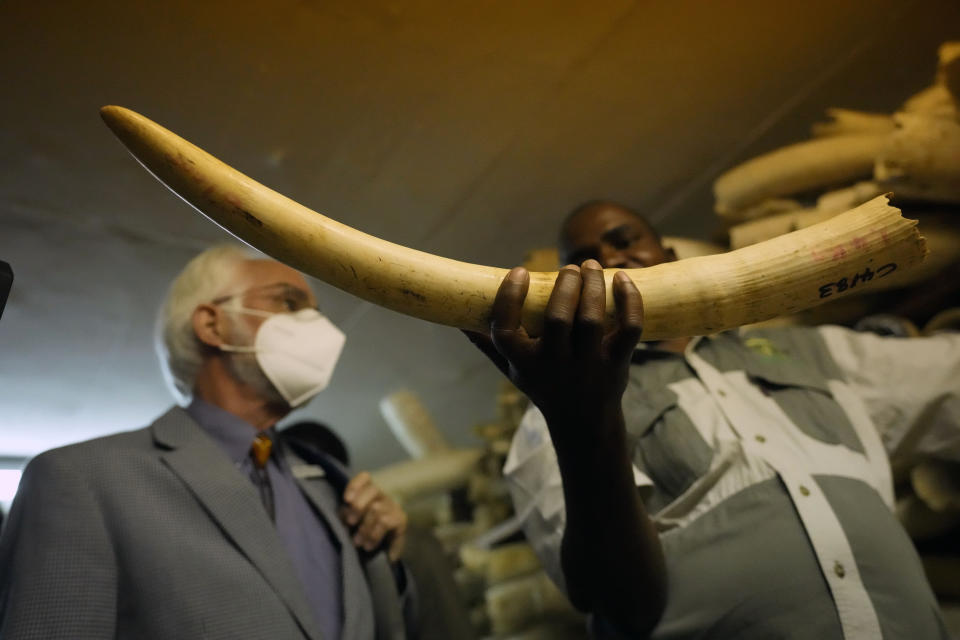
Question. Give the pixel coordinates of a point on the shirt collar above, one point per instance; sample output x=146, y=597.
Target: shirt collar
x=233, y=435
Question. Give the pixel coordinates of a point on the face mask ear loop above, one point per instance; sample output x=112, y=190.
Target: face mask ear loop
x=237, y=349
x=233, y=306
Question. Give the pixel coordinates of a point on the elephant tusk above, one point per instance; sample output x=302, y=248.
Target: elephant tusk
x=849, y=122
x=796, y=168
x=921, y=159
x=691, y=297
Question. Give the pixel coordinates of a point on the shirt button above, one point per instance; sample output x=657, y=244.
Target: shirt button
x=760, y=439
x=804, y=490
x=838, y=569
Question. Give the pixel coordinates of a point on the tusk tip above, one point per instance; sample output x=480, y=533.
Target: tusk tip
x=117, y=118
x=110, y=111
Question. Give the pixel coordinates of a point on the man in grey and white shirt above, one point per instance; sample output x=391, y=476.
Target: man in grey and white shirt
x=728, y=486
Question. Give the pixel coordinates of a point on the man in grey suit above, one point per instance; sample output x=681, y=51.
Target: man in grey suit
x=205, y=524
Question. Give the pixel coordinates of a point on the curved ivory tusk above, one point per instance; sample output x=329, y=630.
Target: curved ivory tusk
x=412, y=424
x=855, y=195
x=796, y=168
x=921, y=159
x=828, y=205
x=850, y=122
x=933, y=102
x=942, y=240
x=948, y=72
x=756, y=231
x=696, y=296
x=440, y=472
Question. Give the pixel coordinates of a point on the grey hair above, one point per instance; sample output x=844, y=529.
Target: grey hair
x=207, y=276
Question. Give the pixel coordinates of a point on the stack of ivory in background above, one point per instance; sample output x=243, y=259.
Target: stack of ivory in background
x=459, y=496
x=914, y=153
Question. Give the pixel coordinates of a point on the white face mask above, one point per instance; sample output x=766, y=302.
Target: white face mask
x=296, y=351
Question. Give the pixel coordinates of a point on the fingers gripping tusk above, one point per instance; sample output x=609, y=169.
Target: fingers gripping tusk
x=692, y=297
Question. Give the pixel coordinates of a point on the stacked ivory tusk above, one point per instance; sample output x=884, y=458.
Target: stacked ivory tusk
x=696, y=296
x=857, y=156
x=914, y=153
x=917, y=145
x=459, y=496
x=795, y=169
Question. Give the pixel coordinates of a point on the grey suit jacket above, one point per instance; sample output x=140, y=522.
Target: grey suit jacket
x=155, y=534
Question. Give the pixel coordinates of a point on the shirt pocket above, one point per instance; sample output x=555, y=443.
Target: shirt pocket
x=786, y=372
x=666, y=445
x=804, y=395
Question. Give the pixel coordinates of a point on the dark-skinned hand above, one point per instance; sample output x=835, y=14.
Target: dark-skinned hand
x=576, y=372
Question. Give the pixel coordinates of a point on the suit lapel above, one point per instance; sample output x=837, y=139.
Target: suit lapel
x=357, y=606
x=232, y=502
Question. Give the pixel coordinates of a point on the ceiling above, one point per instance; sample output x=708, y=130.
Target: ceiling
x=462, y=129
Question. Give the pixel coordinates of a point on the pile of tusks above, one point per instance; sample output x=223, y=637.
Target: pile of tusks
x=690, y=297
x=914, y=153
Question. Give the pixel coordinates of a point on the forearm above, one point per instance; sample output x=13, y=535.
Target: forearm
x=576, y=373
x=611, y=555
